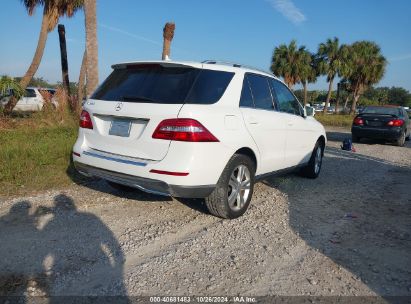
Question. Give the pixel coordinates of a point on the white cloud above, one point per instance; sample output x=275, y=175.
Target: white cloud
x=288, y=9
x=114, y=29
x=400, y=58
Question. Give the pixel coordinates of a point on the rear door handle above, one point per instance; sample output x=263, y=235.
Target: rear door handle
x=290, y=123
x=252, y=120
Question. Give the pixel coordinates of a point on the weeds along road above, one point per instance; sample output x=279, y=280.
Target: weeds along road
x=346, y=233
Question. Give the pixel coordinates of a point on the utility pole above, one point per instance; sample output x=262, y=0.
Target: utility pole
x=64, y=63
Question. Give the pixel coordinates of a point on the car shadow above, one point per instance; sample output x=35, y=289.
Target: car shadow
x=59, y=250
x=358, y=214
x=340, y=136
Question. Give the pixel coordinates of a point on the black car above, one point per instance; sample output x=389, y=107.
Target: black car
x=390, y=123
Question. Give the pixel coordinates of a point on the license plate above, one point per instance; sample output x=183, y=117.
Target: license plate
x=374, y=123
x=120, y=128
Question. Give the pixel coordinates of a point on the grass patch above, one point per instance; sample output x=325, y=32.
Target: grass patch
x=35, y=159
x=340, y=120
x=35, y=151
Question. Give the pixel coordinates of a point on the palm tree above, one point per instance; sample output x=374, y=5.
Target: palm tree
x=168, y=35
x=344, y=71
x=367, y=66
x=90, y=12
x=308, y=73
x=330, y=63
x=286, y=62
x=52, y=11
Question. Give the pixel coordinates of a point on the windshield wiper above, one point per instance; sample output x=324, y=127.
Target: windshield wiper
x=136, y=98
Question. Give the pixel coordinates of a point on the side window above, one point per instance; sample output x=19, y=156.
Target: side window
x=286, y=100
x=261, y=92
x=209, y=87
x=246, y=97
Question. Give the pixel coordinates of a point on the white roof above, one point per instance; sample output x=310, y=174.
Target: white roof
x=214, y=65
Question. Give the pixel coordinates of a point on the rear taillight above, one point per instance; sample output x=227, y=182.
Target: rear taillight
x=183, y=129
x=85, y=120
x=358, y=121
x=395, y=123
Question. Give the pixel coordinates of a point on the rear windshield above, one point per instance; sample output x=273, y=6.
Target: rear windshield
x=382, y=110
x=164, y=85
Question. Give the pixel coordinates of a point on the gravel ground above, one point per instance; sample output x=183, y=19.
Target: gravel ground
x=345, y=233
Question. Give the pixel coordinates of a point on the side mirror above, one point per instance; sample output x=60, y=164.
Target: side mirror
x=309, y=111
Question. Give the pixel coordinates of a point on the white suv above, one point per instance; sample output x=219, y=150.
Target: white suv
x=195, y=130
x=32, y=101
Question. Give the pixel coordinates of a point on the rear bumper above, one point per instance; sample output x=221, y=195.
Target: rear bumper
x=377, y=133
x=145, y=184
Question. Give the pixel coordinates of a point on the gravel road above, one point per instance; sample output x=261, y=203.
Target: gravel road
x=345, y=233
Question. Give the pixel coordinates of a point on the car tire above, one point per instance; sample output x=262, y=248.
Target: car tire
x=408, y=137
x=313, y=168
x=401, y=140
x=120, y=187
x=355, y=139
x=232, y=195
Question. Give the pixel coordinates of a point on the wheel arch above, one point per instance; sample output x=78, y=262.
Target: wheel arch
x=322, y=141
x=250, y=153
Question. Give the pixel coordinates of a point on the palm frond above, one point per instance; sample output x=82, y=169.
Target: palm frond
x=10, y=85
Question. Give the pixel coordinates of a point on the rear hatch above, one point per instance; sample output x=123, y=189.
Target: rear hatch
x=379, y=117
x=130, y=104
x=377, y=120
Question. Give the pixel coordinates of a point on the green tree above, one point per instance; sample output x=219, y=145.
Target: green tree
x=367, y=67
x=331, y=56
x=399, y=96
x=286, y=62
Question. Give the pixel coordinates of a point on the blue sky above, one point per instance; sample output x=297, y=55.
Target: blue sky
x=243, y=31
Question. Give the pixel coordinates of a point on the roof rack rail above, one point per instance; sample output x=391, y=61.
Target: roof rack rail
x=236, y=65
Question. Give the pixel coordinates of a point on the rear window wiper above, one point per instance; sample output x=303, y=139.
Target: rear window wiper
x=136, y=98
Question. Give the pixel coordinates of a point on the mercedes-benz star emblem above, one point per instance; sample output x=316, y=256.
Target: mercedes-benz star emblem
x=119, y=106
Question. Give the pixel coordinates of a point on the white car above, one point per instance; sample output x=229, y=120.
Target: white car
x=32, y=101
x=195, y=130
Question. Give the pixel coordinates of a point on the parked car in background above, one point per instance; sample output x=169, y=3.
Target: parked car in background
x=318, y=108
x=390, y=123
x=32, y=101
x=196, y=130
x=331, y=109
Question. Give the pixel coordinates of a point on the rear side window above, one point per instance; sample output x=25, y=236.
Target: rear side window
x=286, y=100
x=148, y=84
x=209, y=87
x=261, y=92
x=246, y=96
x=30, y=93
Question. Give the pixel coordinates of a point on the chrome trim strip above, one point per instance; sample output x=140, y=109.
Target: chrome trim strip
x=120, y=156
x=124, y=161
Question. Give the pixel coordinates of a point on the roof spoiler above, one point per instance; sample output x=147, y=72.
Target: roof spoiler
x=149, y=63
